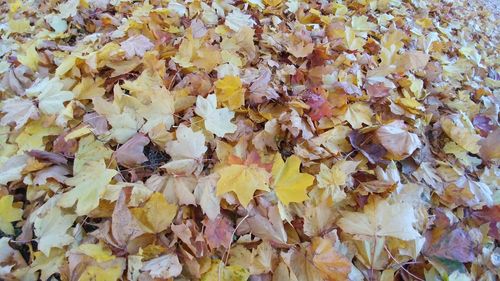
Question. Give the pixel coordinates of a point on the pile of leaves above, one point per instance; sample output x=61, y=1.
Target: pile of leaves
x=249, y=140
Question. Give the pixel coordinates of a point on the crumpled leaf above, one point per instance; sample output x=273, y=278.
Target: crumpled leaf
x=398, y=141
x=166, y=266
x=331, y=264
x=459, y=129
x=333, y=179
x=218, y=232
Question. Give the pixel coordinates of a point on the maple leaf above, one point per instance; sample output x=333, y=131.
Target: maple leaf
x=217, y=121
x=11, y=169
x=236, y=20
x=47, y=265
x=229, y=91
x=218, y=232
x=156, y=215
x=86, y=193
x=243, y=180
x=335, y=178
x=136, y=45
x=51, y=230
x=97, y=252
x=8, y=214
x=219, y=271
x=206, y=197
x=380, y=218
x=334, y=140
x=32, y=135
x=357, y=114
x=18, y=111
x=289, y=183
x=50, y=95
x=186, y=152
x=96, y=273
x=132, y=152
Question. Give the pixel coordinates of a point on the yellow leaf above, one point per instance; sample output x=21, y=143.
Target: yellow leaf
x=89, y=186
x=96, y=273
x=85, y=130
x=334, y=140
x=90, y=150
x=229, y=92
x=220, y=272
x=8, y=214
x=47, y=265
x=243, y=181
x=32, y=135
x=332, y=264
x=19, y=26
x=66, y=65
x=289, y=183
x=30, y=57
x=50, y=95
x=357, y=114
x=88, y=88
x=461, y=131
x=97, y=252
x=156, y=215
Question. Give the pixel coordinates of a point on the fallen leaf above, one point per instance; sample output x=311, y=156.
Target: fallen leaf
x=243, y=181
x=156, y=215
x=8, y=214
x=289, y=183
x=131, y=153
x=380, y=218
x=86, y=193
x=166, y=266
x=136, y=45
x=217, y=121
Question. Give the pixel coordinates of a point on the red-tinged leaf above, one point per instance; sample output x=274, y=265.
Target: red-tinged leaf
x=44, y=156
x=363, y=143
x=483, y=124
x=131, y=153
x=454, y=245
x=218, y=232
